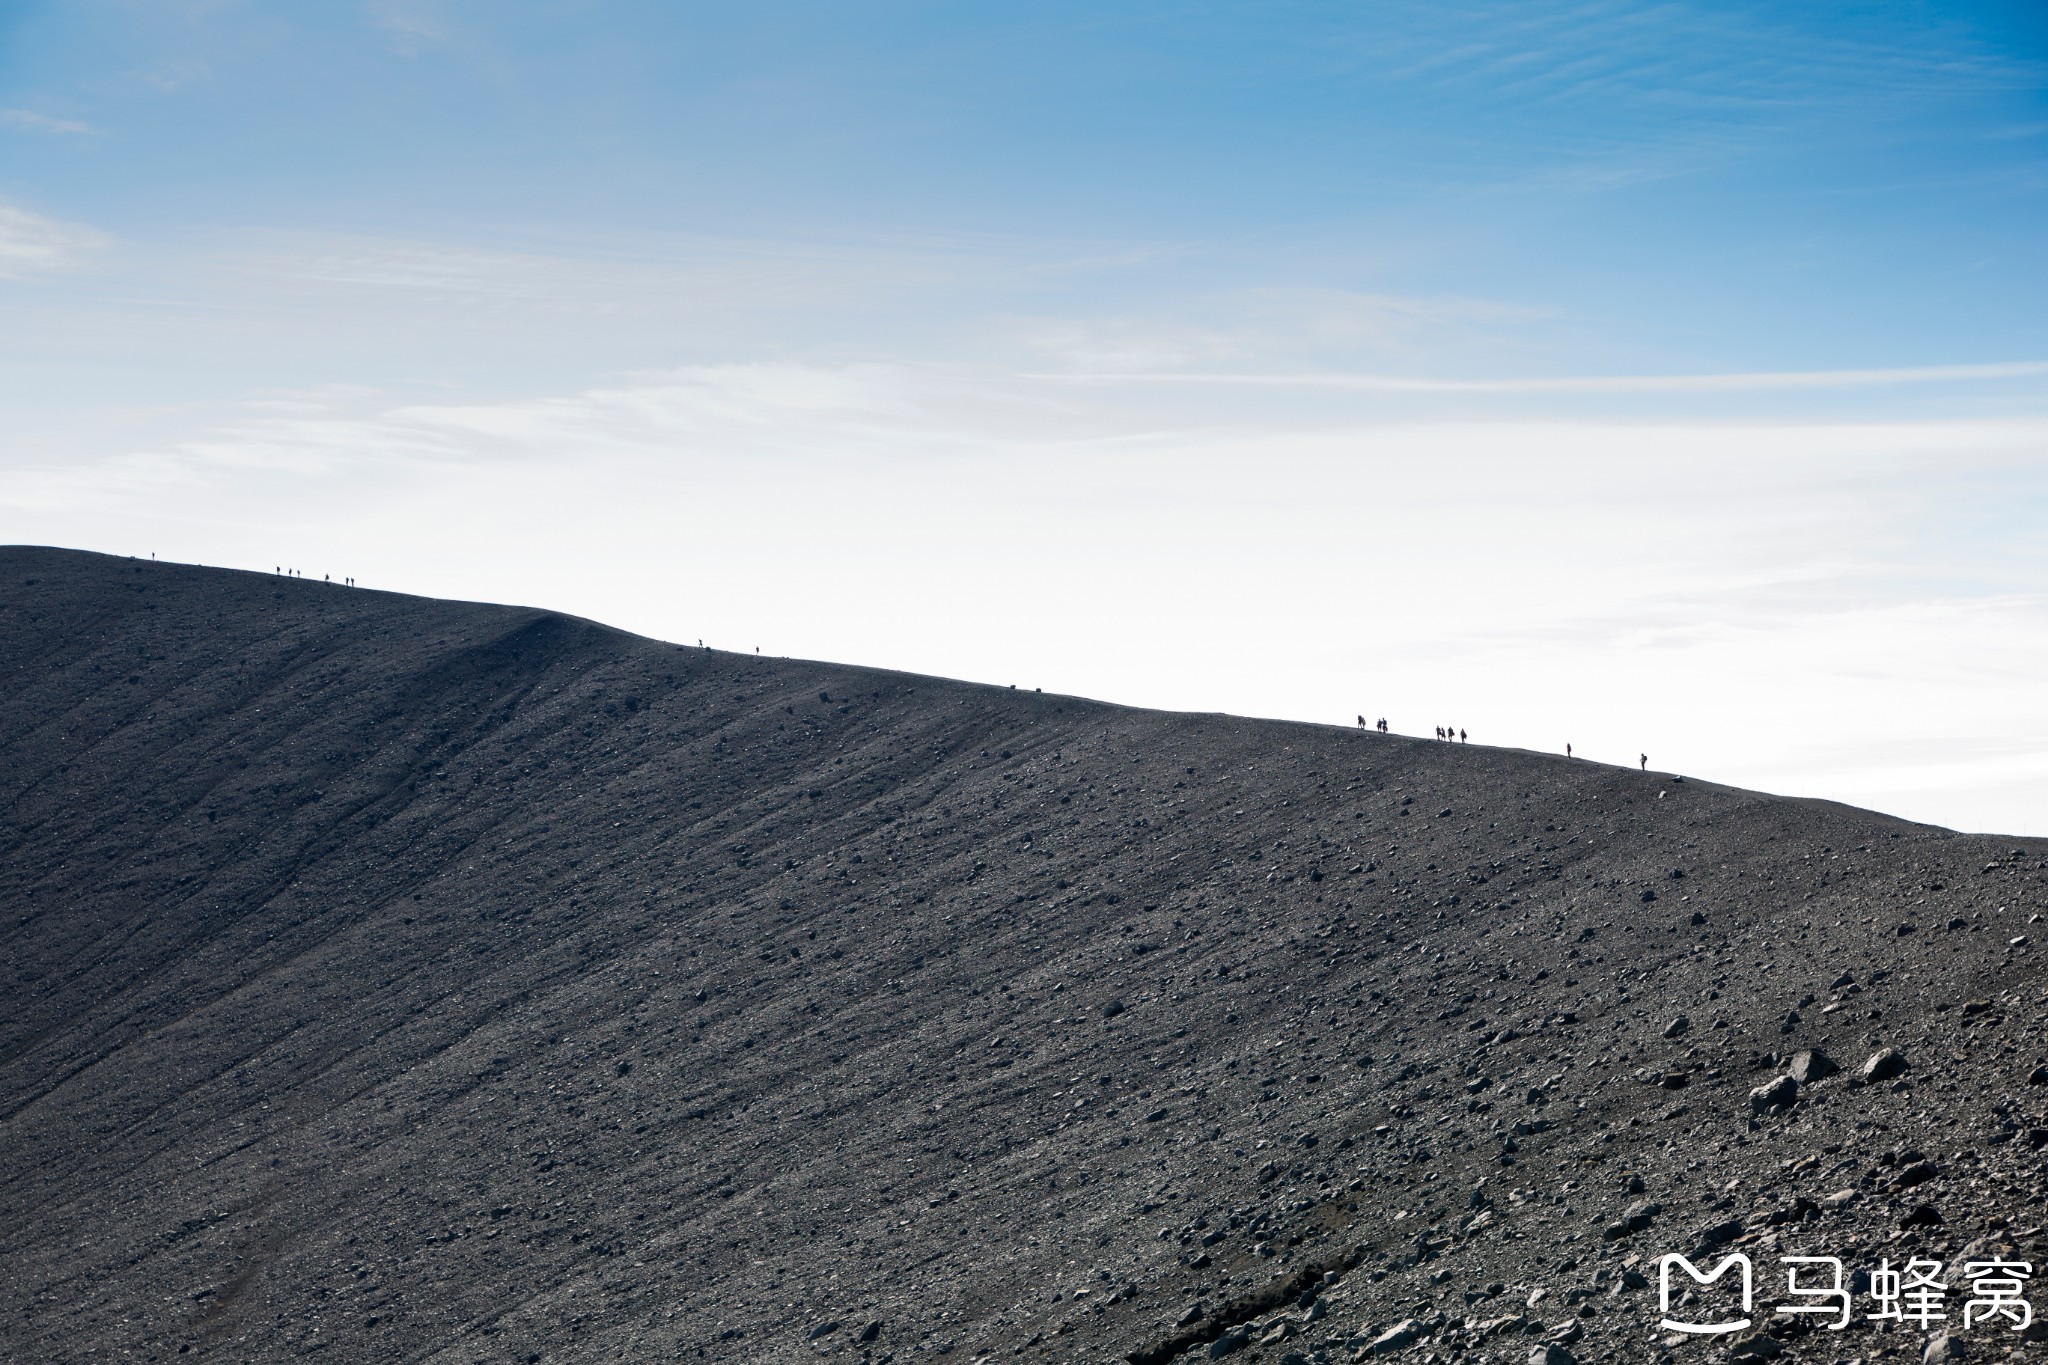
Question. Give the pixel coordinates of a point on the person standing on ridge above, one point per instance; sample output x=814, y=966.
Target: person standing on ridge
x=1567, y=751
x=1646, y=763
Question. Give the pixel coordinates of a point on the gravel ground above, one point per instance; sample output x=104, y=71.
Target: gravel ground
x=409, y=980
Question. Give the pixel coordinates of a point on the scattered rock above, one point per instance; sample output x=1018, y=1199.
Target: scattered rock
x=1881, y=1065
x=1230, y=1343
x=1677, y=1027
x=1922, y=1216
x=1404, y=1333
x=1550, y=1353
x=1635, y=1218
x=1943, y=1349
x=1812, y=1065
x=1717, y=1234
x=1775, y=1096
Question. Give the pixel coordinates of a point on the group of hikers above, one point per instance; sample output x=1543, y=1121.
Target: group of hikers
x=283, y=572
x=1446, y=732
x=1442, y=731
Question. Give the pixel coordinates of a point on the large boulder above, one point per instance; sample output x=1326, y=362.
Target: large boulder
x=1402, y=1334
x=1775, y=1096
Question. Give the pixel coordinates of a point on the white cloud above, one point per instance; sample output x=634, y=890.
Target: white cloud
x=1752, y=382
x=412, y=25
x=1830, y=609
x=31, y=121
x=1275, y=326
x=172, y=77
x=31, y=244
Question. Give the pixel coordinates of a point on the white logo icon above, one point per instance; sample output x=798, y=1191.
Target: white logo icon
x=1671, y=1324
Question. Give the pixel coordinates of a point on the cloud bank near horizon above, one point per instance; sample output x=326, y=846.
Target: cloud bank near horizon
x=1850, y=610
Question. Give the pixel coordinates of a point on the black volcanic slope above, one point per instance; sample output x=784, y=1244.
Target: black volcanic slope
x=424, y=981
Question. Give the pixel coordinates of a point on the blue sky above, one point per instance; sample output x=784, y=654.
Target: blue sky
x=1680, y=186
x=1185, y=304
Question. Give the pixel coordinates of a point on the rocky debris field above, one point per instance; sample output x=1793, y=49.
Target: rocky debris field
x=405, y=980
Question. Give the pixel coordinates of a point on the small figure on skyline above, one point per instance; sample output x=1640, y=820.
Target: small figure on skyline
x=1383, y=724
x=1567, y=751
x=1646, y=763
x=1461, y=736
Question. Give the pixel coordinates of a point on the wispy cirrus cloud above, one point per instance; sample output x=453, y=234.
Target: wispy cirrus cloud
x=1748, y=382
x=29, y=120
x=31, y=244
x=1268, y=326
x=412, y=26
